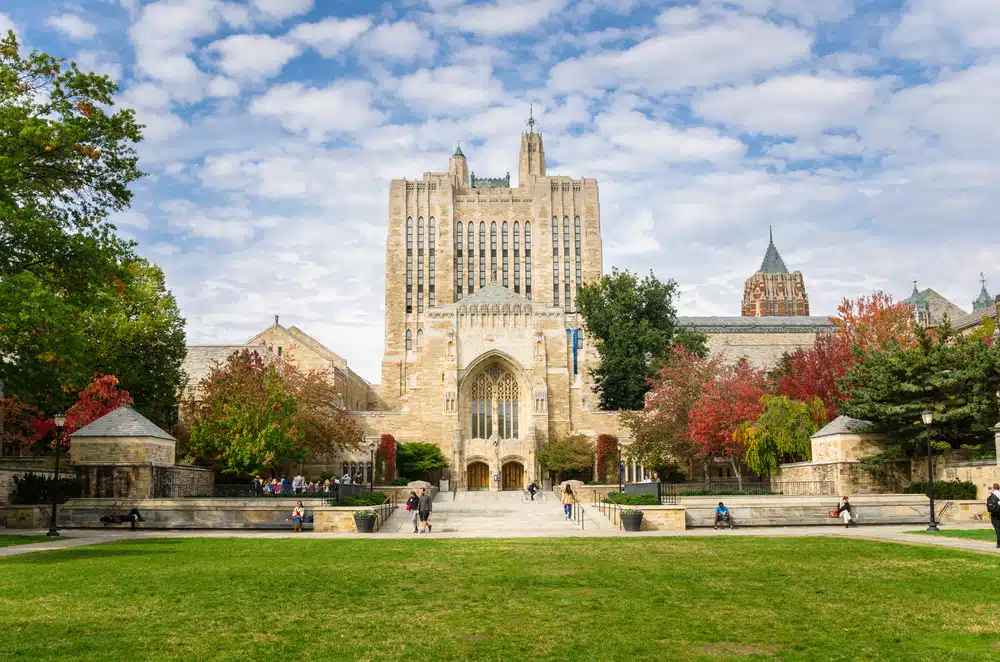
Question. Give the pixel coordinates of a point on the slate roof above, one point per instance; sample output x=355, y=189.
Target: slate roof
x=972, y=319
x=843, y=425
x=200, y=359
x=938, y=306
x=495, y=293
x=772, y=264
x=122, y=422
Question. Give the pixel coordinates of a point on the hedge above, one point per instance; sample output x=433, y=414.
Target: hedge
x=631, y=499
x=946, y=489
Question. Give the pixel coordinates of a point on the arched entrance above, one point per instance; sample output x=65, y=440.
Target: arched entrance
x=512, y=476
x=477, y=476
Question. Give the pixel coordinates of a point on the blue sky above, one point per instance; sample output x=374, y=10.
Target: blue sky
x=864, y=131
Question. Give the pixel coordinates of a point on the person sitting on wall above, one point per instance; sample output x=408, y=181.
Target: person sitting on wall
x=722, y=515
x=846, y=512
x=532, y=489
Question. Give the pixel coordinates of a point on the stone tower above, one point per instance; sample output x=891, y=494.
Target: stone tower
x=773, y=291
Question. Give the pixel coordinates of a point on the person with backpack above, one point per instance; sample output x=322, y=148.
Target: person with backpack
x=411, y=505
x=993, y=507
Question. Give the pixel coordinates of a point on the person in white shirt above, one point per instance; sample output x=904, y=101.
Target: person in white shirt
x=298, y=516
x=298, y=483
x=346, y=479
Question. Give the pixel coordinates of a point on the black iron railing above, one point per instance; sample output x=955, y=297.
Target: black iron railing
x=610, y=510
x=670, y=492
x=256, y=491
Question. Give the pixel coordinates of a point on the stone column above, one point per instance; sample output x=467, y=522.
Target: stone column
x=996, y=439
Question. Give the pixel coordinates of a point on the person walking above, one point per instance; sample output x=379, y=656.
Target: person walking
x=846, y=512
x=298, y=516
x=568, y=499
x=424, y=508
x=993, y=506
x=412, y=505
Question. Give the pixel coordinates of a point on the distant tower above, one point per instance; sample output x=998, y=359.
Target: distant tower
x=921, y=307
x=773, y=291
x=458, y=168
x=984, y=300
x=531, y=165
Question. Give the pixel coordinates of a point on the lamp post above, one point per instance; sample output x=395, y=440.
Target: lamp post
x=371, y=480
x=927, y=416
x=621, y=470
x=60, y=420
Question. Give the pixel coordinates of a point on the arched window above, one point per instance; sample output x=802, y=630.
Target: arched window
x=505, y=254
x=495, y=391
x=578, y=238
x=527, y=259
x=517, y=259
x=409, y=264
x=409, y=340
x=472, y=260
x=420, y=338
x=482, y=255
x=420, y=264
x=566, y=300
x=431, y=262
x=555, y=261
x=493, y=251
x=459, y=275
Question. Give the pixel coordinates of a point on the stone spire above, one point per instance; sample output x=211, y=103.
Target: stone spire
x=458, y=168
x=531, y=164
x=984, y=299
x=772, y=264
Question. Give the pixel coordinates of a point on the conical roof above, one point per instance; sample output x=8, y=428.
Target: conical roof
x=772, y=264
x=984, y=299
x=122, y=422
x=458, y=151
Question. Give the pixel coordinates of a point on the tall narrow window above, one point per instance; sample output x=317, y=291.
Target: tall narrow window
x=482, y=255
x=505, y=283
x=566, y=301
x=459, y=275
x=517, y=259
x=420, y=264
x=409, y=340
x=472, y=260
x=555, y=261
x=493, y=251
x=431, y=263
x=527, y=259
x=409, y=264
x=577, y=237
x=420, y=338
x=475, y=419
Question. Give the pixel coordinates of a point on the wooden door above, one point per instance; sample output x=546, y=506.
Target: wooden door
x=513, y=476
x=477, y=476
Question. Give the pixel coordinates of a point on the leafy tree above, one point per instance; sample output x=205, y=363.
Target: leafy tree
x=327, y=428
x=607, y=458
x=661, y=432
x=635, y=324
x=564, y=453
x=419, y=460
x=956, y=377
x=731, y=399
x=65, y=164
x=385, y=458
x=21, y=425
x=875, y=321
x=780, y=434
x=101, y=396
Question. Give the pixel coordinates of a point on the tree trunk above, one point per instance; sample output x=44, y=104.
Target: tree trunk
x=739, y=475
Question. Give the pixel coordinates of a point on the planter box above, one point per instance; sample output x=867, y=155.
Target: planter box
x=632, y=522
x=365, y=524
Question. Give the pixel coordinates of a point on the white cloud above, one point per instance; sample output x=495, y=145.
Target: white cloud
x=282, y=9
x=7, y=23
x=253, y=56
x=500, y=18
x=647, y=142
x=72, y=26
x=130, y=219
x=451, y=90
x=400, y=40
x=99, y=62
x=342, y=107
x=331, y=35
x=790, y=105
x=234, y=224
x=946, y=31
x=806, y=12
x=222, y=87
x=730, y=50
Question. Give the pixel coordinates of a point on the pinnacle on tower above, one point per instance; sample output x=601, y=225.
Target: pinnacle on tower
x=984, y=299
x=772, y=264
x=531, y=118
x=458, y=150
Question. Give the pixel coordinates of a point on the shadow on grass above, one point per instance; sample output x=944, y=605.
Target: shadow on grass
x=108, y=550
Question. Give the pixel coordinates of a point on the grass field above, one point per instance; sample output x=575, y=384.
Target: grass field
x=986, y=535
x=526, y=599
x=7, y=541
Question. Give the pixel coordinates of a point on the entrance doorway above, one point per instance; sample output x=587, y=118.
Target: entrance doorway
x=477, y=476
x=512, y=476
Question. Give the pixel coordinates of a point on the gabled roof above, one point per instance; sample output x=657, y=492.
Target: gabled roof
x=772, y=264
x=843, y=425
x=937, y=305
x=122, y=422
x=495, y=293
x=200, y=359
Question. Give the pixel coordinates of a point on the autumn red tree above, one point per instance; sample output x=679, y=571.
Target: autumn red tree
x=98, y=398
x=21, y=425
x=814, y=373
x=875, y=320
x=733, y=397
x=607, y=458
x=661, y=431
x=385, y=458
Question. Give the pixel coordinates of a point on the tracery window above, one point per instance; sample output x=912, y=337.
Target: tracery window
x=527, y=259
x=482, y=255
x=495, y=389
x=578, y=238
x=555, y=261
x=566, y=299
x=431, y=265
x=505, y=253
x=472, y=260
x=517, y=259
x=409, y=264
x=420, y=338
x=409, y=340
x=420, y=264
x=459, y=275
x=493, y=251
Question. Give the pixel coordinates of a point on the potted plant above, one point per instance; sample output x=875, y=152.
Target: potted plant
x=364, y=520
x=631, y=519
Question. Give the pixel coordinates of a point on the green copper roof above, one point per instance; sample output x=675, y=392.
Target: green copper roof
x=984, y=299
x=916, y=299
x=458, y=151
x=772, y=264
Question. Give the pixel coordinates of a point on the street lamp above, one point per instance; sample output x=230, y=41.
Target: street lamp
x=60, y=420
x=371, y=446
x=927, y=416
x=621, y=470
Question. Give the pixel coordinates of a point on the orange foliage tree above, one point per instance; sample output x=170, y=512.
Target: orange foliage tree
x=98, y=398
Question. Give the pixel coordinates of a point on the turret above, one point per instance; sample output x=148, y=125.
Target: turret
x=458, y=168
x=531, y=165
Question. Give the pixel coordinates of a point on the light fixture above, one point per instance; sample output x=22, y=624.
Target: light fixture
x=927, y=416
x=60, y=420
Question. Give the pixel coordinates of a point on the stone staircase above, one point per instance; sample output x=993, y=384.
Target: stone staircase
x=497, y=514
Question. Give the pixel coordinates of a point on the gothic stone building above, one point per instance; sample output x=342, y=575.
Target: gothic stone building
x=484, y=349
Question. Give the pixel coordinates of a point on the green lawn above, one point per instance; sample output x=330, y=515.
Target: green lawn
x=542, y=599
x=7, y=541
x=988, y=535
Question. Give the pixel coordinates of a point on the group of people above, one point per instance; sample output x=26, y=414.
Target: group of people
x=420, y=507
x=299, y=485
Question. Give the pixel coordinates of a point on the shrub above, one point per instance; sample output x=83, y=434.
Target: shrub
x=946, y=489
x=631, y=499
x=364, y=499
x=400, y=481
x=33, y=489
x=364, y=512
x=631, y=511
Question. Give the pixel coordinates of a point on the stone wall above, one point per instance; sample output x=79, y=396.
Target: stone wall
x=144, y=481
x=761, y=349
x=848, y=476
x=808, y=511
x=25, y=517
x=124, y=450
x=982, y=474
x=11, y=468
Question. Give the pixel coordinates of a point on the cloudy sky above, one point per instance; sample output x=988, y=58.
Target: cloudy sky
x=865, y=131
